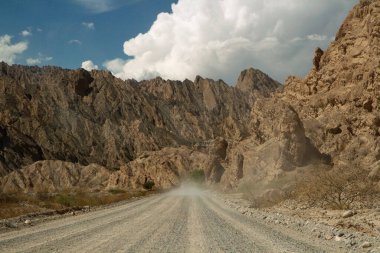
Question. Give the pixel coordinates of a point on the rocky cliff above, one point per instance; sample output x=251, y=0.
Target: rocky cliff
x=329, y=118
x=83, y=118
x=58, y=127
x=338, y=101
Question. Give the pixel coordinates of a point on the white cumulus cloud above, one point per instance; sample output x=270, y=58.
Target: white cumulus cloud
x=9, y=51
x=40, y=59
x=26, y=33
x=89, y=65
x=317, y=37
x=33, y=61
x=219, y=38
x=89, y=25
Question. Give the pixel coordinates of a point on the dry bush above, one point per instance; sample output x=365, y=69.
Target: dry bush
x=337, y=188
x=15, y=204
x=197, y=176
x=116, y=191
x=148, y=185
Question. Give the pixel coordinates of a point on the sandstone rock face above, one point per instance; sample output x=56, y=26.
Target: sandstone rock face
x=375, y=171
x=254, y=82
x=85, y=118
x=288, y=132
x=165, y=167
x=274, y=149
x=76, y=116
x=338, y=101
x=124, y=132
x=330, y=117
x=199, y=110
x=53, y=176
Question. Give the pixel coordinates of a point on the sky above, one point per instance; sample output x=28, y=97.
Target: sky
x=174, y=39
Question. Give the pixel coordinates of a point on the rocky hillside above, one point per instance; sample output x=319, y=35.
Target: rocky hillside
x=253, y=134
x=339, y=100
x=88, y=118
x=330, y=117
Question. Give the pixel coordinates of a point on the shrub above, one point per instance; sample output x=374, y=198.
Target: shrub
x=148, y=185
x=116, y=191
x=8, y=198
x=338, y=188
x=16, y=204
x=65, y=199
x=197, y=176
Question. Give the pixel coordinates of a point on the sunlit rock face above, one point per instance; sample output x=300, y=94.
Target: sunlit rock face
x=328, y=118
x=338, y=101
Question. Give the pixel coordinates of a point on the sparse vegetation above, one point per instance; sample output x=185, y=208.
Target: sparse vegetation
x=64, y=199
x=116, y=191
x=197, y=176
x=16, y=204
x=316, y=186
x=338, y=188
x=148, y=185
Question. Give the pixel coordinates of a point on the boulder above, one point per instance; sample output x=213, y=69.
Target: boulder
x=348, y=214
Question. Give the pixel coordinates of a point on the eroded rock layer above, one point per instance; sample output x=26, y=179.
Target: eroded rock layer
x=338, y=100
x=66, y=124
x=87, y=118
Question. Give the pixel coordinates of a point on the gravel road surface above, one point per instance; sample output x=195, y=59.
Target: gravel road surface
x=184, y=220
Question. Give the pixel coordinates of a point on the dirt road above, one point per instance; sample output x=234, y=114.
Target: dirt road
x=185, y=220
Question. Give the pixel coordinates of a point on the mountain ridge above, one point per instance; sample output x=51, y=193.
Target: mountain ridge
x=94, y=118
x=255, y=134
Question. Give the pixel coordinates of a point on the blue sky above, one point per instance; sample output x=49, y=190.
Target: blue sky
x=174, y=39
x=62, y=30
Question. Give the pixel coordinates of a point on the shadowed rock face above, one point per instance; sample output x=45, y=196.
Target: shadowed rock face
x=82, y=81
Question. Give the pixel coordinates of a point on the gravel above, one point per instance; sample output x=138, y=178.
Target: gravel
x=185, y=220
x=345, y=240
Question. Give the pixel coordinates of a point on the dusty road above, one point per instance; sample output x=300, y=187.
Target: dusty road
x=185, y=220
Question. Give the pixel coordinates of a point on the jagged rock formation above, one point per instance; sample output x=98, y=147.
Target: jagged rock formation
x=126, y=132
x=254, y=81
x=338, y=100
x=94, y=118
x=330, y=117
x=165, y=167
x=278, y=145
x=53, y=176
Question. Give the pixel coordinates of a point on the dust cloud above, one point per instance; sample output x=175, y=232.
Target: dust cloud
x=188, y=189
